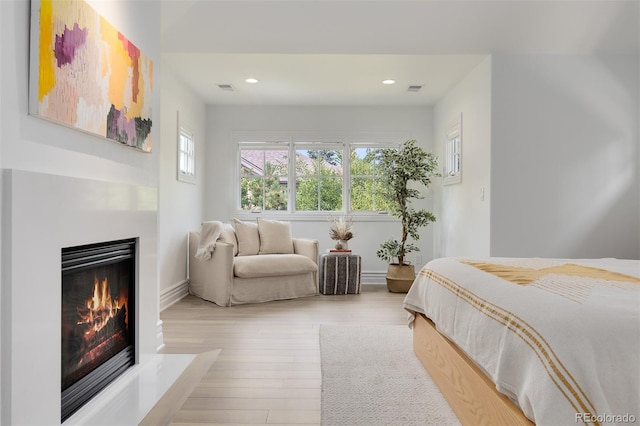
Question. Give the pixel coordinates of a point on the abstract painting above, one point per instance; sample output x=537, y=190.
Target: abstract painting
x=87, y=75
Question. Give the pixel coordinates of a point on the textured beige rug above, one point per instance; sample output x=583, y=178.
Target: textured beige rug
x=370, y=376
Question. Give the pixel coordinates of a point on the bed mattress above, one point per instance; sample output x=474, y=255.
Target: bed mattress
x=559, y=337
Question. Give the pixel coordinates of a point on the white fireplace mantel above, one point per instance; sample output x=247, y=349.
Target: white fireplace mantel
x=42, y=214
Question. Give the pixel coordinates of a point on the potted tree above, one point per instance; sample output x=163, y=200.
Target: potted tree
x=399, y=172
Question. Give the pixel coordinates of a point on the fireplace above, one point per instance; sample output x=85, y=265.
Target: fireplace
x=98, y=319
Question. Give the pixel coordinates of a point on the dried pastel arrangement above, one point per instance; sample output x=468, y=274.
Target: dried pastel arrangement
x=341, y=231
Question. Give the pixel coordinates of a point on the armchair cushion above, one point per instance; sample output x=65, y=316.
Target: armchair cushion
x=275, y=237
x=272, y=265
x=248, y=237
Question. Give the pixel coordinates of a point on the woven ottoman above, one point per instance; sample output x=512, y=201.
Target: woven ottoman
x=340, y=273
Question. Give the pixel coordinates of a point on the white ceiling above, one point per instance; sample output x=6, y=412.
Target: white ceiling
x=337, y=52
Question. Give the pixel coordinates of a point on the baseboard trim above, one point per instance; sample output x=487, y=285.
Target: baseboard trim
x=373, y=277
x=173, y=294
x=178, y=291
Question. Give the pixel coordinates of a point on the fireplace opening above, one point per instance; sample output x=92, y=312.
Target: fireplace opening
x=98, y=319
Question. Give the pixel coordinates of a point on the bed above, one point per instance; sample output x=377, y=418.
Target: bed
x=531, y=341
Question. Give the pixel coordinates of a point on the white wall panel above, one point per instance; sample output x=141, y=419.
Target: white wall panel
x=181, y=204
x=565, y=180
x=464, y=225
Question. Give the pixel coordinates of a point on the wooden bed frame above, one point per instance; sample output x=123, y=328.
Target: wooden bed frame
x=471, y=395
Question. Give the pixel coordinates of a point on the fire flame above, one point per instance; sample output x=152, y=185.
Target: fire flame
x=100, y=308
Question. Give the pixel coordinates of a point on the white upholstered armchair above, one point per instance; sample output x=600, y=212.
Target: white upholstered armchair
x=238, y=273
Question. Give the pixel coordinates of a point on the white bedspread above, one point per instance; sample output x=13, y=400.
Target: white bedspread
x=563, y=342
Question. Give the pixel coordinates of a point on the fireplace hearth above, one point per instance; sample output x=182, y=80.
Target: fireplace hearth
x=98, y=319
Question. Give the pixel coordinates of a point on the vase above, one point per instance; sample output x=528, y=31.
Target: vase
x=342, y=245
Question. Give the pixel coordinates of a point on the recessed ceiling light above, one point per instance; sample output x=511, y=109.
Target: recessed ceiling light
x=388, y=81
x=251, y=80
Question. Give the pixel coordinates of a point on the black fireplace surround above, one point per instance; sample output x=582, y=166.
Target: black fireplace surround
x=98, y=319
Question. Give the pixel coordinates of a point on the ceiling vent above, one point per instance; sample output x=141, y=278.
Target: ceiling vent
x=413, y=88
x=227, y=87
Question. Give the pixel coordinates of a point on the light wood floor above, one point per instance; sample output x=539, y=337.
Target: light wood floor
x=269, y=367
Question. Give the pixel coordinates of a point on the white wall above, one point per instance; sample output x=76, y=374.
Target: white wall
x=463, y=228
x=410, y=122
x=564, y=159
x=181, y=204
x=75, y=160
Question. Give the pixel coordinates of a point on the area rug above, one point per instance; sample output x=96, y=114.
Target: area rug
x=370, y=376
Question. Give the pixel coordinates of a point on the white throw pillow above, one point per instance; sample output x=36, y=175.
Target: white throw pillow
x=275, y=237
x=248, y=237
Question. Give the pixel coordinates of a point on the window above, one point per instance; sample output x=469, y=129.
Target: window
x=453, y=153
x=319, y=178
x=365, y=188
x=326, y=176
x=186, y=156
x=264, y=178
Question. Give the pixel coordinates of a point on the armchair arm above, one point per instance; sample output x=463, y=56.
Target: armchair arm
x=211, y=279
x=307, y=247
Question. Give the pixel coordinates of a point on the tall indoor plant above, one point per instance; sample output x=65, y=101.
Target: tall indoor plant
x=399, y=171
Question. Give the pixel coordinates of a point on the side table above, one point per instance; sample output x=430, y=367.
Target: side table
x=340, y=273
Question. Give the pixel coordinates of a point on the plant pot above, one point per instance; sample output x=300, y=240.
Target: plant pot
x=400, y=277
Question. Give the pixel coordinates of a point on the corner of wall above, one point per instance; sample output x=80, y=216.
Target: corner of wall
x=5, y=296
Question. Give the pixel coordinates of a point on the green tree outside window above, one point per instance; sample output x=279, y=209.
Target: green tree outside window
x=366, y=189
x=318, y=181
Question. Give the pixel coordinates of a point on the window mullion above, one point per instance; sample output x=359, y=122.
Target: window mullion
x=318, y=174
x=293, y=178
x=263, y=207
x=346, y=178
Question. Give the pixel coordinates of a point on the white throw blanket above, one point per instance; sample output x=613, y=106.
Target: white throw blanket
x=208, y=236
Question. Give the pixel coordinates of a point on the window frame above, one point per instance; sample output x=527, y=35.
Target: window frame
x=186, y=174
x=311, y=140
x=452, y=172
